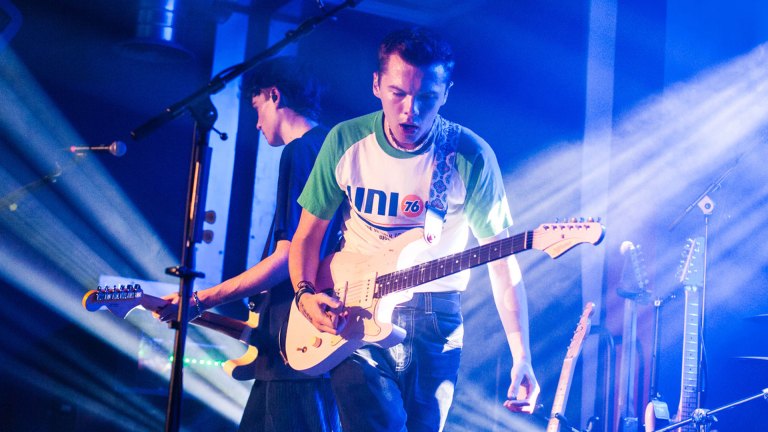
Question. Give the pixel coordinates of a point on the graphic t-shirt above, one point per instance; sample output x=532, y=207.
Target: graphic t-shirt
x=383, y=191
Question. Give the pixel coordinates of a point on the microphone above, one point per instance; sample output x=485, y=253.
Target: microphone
x=626, y=246
x=117, y=148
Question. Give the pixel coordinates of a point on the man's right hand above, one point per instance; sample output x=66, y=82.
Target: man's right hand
x=323, y=311
x=169, y=311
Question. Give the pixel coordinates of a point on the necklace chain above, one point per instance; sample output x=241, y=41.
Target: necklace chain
x=396, y=144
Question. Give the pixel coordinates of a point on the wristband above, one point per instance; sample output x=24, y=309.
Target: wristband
x=198, y=309
x=304, y=288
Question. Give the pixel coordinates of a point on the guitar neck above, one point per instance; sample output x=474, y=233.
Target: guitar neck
x=689, y=391
x=561, y=395
x=213, y=321
x=633, y=271
x=628, y=360
x=566, y=374
x=427, y=272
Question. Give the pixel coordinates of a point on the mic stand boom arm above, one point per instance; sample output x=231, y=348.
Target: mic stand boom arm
x=204, y=112
x=702, y=199
x=704, y=417
x=220, y=81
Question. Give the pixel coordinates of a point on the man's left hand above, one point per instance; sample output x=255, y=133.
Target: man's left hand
x=523, y=390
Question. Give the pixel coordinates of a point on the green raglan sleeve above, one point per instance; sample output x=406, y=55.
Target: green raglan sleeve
x=322, y=195
x=486, y=205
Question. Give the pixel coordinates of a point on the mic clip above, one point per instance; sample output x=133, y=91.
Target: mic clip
x=222, y=135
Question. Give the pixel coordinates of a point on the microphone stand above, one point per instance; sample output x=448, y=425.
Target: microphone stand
x=707, y=207
x=703, y=418
x=204, y=113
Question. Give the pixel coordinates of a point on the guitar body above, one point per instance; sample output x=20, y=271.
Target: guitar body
x=656, y=415
x=368, y=319
x=243, y=367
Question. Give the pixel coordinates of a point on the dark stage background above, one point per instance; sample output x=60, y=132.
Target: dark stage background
x=683, y=105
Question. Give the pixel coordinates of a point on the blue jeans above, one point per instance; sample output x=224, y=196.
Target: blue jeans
x=408, y=387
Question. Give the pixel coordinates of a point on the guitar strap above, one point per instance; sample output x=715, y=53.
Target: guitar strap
x=258, y=301
x=445, y=157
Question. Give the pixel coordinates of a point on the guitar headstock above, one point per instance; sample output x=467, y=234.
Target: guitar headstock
x=557, y=238
x=585, y=322
x=691, y=272
x=119, y=300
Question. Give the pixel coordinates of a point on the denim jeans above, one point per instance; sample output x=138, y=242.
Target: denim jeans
x=408, y=387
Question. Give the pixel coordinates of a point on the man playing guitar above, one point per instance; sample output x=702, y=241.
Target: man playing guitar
x=378, y=168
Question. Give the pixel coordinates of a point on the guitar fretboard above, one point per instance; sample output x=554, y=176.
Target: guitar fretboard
x=445, y=266
x=690, y=379
x=561, y=395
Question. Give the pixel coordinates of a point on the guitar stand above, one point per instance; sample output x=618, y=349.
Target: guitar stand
x=703, y=418
x=567, y=426
x=564, y=423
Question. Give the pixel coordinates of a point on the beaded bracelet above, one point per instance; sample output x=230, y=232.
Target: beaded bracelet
x=197, y=306
x=304, y=288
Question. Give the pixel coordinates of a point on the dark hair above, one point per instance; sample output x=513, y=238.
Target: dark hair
x=300, y=90
x=418, y=46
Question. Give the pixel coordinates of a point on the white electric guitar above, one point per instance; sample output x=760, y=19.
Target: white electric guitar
x=691, y=275
x=370, y=288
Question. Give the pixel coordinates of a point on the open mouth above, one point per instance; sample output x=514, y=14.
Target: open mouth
x=409, y=129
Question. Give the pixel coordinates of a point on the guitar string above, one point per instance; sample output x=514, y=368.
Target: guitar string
x=426, y=272
x=445, y=266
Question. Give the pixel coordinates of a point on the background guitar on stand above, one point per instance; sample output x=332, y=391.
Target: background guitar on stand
x=656, y=411
x=692, y=278
x=557, y=416
x=633, y=288
x=691, y=275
